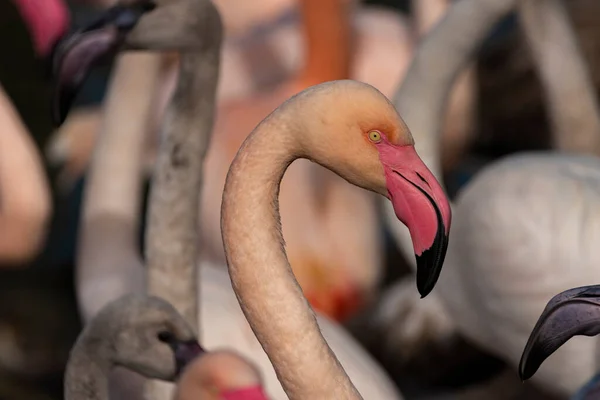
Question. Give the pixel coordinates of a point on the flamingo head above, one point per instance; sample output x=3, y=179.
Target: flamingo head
x=146, y=335
x=220, y=374
x=365, y=141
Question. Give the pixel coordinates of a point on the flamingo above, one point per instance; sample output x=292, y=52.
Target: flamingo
x=337, y=282
x=147, y=335
x=109, y=230
x=500, y=214
x=142, y=333
x=407, y=323
x=326, y=233
x=220, y=374
x=26, y=204
x=26, y=208
x=374, y=151
x=315, y=203
x=539, y=187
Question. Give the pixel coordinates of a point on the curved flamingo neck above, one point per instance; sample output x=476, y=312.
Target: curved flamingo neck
x=261, y=276
x=86, y=376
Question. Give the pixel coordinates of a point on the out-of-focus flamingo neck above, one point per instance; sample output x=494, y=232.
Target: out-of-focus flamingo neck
x=327, y=34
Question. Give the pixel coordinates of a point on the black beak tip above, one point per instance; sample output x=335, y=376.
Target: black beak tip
x=527, y=366
x=525, y=373
x=59, y=110
x=66, y=85
x=430, y=262
x=61, y=95
x=425, y=286
x=522, y=374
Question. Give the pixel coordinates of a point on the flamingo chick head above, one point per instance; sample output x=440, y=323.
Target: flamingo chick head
x=220, y=375
x=146, y=335
x=358, y=133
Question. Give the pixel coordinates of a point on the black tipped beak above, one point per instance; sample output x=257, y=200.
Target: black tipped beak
x=421, y=204
x=79, y=51
x=432, y=246
x=430, y=262
x=185, y=352
x=570, y=313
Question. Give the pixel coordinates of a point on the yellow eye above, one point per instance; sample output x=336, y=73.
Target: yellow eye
x=375, y=136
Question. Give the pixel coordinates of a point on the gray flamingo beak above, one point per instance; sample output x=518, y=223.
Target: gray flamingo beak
x=570, y=313
x=79, y=51
x=185, y=352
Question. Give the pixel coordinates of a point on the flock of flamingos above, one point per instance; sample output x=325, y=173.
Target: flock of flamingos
x=268, y=310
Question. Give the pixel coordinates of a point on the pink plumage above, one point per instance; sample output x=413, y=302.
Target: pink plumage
x=249, y=393
x=47, y=21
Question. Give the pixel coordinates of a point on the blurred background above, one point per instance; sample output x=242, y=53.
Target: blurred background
x=355, y=270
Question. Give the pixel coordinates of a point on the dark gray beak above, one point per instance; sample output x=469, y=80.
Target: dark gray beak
x=82, y=49
x=570, y=313
x=185, y=352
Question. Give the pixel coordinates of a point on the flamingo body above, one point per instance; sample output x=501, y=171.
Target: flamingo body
x=503, y=267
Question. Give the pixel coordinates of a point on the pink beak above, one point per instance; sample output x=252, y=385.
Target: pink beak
x=421, y=204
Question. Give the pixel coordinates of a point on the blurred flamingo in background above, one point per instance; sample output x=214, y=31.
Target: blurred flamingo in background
x=332, y=230
x=273, y=49
x=524, y=226
x=25, y=198
x=108, y=261
x=218, y=375
x=322, y=216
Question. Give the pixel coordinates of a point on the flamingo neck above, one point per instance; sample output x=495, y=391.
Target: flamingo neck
x=107, y=259
x=172, y=234
x=261, y=276
x=86, y=376
x=327, y=32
